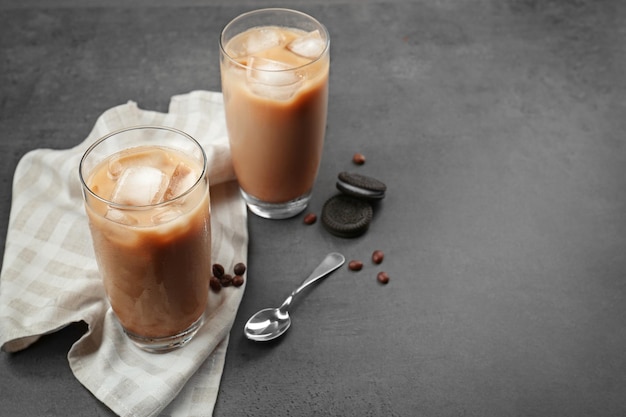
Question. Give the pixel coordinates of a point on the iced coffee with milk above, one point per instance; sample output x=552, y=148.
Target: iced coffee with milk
x=147, y=200
x=274, y=68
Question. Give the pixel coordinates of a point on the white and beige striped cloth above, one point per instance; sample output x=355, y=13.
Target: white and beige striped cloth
x=49, y=276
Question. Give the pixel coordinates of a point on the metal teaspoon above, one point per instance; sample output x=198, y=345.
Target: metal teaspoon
x=271, y=323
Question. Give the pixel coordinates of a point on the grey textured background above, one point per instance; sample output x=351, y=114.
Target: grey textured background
x=499, y=128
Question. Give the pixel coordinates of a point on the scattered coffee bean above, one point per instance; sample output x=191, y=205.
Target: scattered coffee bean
x=215, y=284
x=358, y=158
x=310, y=218
x=218, y=270
x=221, y=279
x=382, y=277
x=240, y=269
x=237, y=280
x=355, y=265
x=378, y=256
x=226, y=280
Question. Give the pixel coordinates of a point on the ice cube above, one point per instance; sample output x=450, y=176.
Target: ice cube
x=182, y=180
x=166, y=215
x=310, y=45
x=270, y=72
x=121, y=216
x=119, y=162
x=272, y=79
x=140, y=186
x=262, y=40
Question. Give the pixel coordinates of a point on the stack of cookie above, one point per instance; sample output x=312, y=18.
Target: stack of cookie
x=350, y=213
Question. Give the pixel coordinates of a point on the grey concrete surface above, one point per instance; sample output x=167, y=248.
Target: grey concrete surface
x=499, y=128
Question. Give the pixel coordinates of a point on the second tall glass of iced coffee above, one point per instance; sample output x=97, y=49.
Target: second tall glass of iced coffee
x=274, y=67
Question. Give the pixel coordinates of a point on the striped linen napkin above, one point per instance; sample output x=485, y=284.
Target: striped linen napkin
x=49, y=275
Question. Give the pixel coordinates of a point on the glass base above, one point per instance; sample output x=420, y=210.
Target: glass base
x=276, y=210
x=165, y=344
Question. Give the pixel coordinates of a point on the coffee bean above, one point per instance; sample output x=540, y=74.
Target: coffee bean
x=355, y=265
x=378, y=256
x=215, y=284
x=218, y=270
x=240, y=268
x=226, y=280
x=382, y=277
x=238, y=280
x=310, y=218
x=358, y=158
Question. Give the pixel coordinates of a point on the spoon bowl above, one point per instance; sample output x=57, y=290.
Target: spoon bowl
x=270, y=323
x=267, y=324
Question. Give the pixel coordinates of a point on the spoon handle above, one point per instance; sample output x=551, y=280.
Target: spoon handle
x=329, y=264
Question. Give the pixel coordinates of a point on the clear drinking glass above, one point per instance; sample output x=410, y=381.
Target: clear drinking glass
x=274, y=68
x=146, y=195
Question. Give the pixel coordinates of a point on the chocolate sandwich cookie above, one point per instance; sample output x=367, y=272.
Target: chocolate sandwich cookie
x=361, y=186
x=346, y=216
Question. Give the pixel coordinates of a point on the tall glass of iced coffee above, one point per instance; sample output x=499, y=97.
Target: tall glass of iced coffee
x=274, y=67
x=146, y=195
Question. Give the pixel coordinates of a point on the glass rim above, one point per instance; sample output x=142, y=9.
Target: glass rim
x=121, y=206
x=233, y=61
